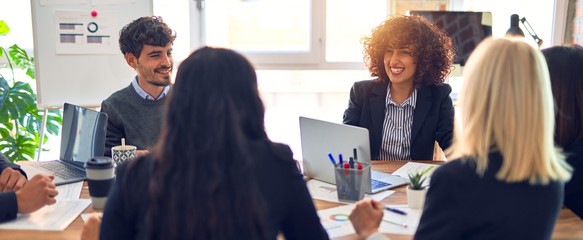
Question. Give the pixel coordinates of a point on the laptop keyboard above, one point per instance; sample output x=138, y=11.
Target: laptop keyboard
x=61, y=170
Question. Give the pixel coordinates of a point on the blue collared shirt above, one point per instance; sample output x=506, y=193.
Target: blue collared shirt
x=144, y=94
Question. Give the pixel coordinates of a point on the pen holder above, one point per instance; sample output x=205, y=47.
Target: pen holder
x=351, y=183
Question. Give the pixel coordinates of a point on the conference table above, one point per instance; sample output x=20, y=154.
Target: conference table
x=568, y=225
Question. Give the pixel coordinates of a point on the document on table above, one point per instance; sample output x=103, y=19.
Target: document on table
x=327, y=192
x=413, y=167
x=336, y=222
x=69, y=191
x=55, y=217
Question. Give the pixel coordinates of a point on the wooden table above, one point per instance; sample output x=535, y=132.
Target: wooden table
x=568, y=226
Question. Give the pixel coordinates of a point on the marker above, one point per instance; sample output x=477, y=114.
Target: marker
x=397, y=211
x=351, y=162
x=340, y=158
x=359, y=166
x=354, y=154
x=396, y=223
x=332, y=159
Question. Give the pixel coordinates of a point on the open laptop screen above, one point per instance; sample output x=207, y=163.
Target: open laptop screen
x=82, y=135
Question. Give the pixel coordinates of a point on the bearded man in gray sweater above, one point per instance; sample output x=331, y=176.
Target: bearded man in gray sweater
x=134, y=112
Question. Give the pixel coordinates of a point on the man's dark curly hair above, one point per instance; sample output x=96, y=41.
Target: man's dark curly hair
x=149, y=30
x=431, y=48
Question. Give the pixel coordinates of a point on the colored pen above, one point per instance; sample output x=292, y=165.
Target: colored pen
x=396, y=223
x=340, y=159
x=351, y=162
x=397, y=211
x=332, y=159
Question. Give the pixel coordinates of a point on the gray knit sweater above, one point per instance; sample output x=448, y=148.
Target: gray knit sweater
x=131, y=117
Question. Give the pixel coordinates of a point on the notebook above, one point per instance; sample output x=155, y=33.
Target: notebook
x=82, y=137
x=319, y=138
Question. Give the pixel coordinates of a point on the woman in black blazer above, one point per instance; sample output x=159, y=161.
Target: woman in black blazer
x=407, y=107
x=506, y=178
x=213, y=173
x=567, y=82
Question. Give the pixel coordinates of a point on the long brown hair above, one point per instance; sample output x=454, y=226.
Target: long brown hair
x=201, y=187
x=566, y=71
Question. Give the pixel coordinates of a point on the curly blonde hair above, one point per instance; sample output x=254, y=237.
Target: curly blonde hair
x=432, y=48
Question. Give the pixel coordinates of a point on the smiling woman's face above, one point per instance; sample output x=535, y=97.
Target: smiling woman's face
x=400, y=65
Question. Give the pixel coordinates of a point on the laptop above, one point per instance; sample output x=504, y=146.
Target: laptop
x=321, y=137
x=82, y=137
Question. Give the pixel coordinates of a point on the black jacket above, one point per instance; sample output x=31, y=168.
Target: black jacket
x=432, y=118
x=289, y=206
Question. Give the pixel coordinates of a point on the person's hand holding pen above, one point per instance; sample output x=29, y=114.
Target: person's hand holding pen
x=366, y=217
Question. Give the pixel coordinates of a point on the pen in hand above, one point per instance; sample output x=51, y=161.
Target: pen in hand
x=397, y=211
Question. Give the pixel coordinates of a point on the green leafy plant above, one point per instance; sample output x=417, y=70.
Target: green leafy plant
x=416, y=179
x=20, y=120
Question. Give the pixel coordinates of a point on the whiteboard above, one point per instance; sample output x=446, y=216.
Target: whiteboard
x=80, y=65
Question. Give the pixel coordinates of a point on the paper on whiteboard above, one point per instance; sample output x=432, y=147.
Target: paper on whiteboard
x=77, y=32
x=49, y=218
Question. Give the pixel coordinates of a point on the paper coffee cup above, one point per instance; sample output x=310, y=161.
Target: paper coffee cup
x=100, y=178
x=122, y=153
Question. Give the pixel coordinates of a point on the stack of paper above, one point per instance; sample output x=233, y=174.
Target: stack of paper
x=55, y=217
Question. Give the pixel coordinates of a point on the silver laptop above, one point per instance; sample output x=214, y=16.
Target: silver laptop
x=321, y=137
x=82, y=137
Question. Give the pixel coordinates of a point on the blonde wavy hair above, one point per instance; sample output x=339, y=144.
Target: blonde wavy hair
x=507, y=106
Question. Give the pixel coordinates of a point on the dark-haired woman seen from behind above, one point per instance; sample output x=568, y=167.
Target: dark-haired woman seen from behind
x=213, y=174
x=566, y=70
x=407, y=107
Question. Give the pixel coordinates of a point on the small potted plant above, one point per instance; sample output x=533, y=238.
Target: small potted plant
x=416, y=191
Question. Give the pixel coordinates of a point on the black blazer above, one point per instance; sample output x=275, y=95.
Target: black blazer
x=432, y=118
x=288, y=204
x=574, y=188
x=460, y=204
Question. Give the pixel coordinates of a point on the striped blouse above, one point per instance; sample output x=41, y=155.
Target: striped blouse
x=396, y=143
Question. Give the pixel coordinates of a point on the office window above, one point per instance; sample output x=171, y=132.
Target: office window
x=259, y=26
x=347, y=23
x=263, y=29
x=281, y=34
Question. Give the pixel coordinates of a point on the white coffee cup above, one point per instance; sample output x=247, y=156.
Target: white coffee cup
x=100, y=178
x=122, y=153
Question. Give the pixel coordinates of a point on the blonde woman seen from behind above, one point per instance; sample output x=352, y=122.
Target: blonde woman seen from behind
x=508, y=179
